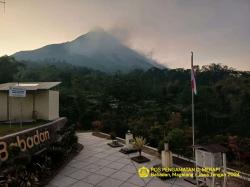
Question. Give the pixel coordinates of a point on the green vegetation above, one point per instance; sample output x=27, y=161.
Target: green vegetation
x=155, y=104
x=6, y=129
x=25, y=169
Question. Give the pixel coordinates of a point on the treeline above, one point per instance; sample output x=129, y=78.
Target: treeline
x=155, y=103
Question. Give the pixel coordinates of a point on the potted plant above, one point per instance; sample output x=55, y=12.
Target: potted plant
x=139, y=143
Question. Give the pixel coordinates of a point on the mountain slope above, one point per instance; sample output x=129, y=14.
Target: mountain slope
x=97, y=49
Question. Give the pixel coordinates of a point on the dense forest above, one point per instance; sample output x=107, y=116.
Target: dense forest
x=155, y=103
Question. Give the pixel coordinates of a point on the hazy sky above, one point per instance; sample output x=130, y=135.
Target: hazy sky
x=218, y=31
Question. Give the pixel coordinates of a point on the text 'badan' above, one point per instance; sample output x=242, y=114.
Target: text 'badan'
x=25, y=143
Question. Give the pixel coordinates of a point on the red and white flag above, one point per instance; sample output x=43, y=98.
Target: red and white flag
x=193, y=82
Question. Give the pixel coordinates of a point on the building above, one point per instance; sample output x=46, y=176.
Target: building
x=40, y=101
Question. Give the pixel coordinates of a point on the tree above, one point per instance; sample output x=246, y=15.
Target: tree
x=9, y=69
x=176, y=140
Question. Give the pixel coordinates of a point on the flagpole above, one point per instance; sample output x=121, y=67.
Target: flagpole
x=192, y=107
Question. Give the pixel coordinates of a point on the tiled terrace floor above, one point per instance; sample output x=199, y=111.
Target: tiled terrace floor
x=102, y=166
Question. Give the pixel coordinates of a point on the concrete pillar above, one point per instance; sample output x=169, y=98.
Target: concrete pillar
x=166, y=157
x=129, y=139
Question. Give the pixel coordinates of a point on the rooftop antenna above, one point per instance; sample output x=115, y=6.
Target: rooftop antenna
x=3, y=2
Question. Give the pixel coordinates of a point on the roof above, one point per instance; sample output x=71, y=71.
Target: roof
x=213, y=148
x=29, y=85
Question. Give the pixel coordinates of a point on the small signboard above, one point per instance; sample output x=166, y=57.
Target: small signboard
x=17, y=92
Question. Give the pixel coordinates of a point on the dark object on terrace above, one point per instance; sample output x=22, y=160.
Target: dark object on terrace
x=140, y=159
x=126, y=150
x=115, y=144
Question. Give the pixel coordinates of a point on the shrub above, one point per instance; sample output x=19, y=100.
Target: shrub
x=139, y=143
x=113, y=135
x=97, y=125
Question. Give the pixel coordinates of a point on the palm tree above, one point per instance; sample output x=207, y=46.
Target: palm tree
x=139, y=143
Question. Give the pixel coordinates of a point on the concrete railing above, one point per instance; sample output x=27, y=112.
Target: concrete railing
x=243, y=176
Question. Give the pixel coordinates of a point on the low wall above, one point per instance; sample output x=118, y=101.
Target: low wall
x=185, y=162
x=147, y=149
x=31, y=140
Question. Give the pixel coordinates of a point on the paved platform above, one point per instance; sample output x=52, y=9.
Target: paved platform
x=102, y=166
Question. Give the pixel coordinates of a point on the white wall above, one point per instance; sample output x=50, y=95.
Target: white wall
x=53, y=104
x=42, y=104
x=3, y=106
x=46, y=105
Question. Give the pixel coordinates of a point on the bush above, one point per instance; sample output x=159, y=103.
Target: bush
x=113, y=135
x=22, y=169
x=176, y=140
x=97, y=125
x=56, y=153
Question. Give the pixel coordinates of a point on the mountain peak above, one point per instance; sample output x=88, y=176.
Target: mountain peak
x=94, y=32
x=101, y=36
x=97, y=49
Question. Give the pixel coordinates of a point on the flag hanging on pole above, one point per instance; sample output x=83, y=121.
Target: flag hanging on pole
x=193, y=82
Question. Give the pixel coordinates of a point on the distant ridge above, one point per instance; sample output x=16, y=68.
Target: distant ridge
x=97, y=50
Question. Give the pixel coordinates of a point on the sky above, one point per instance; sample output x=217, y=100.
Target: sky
x=218, y=31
